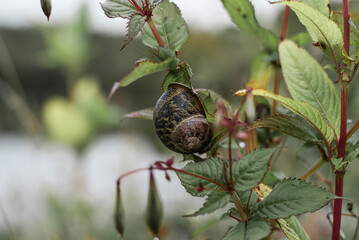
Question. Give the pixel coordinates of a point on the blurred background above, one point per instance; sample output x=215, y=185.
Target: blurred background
x=62, y=145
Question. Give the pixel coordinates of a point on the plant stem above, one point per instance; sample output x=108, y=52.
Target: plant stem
x=155, y=31
x=230, y=157
x=276, y=90
x=353, y=130
x=339, y=182
x=285, y=20
x=239, y=207
x=313, y=169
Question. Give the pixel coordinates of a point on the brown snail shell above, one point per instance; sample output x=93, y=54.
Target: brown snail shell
x=180, y=121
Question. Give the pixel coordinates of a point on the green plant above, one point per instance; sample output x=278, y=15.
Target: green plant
x=229, y=174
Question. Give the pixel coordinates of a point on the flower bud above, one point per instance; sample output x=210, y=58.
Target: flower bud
x=46, y=8
x=119, y=213
x=154, y=211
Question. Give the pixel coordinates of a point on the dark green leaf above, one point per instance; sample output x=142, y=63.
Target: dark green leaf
x=120, y=8
x=288, y=125
x=141, y=69
x=242, y=13
x=250, y=170
x=181, y=75
x=214, y=201
x=134, y=26
x=119, y=213
x=292, y=197
x=211, y=168
x=146, y=114
x=256, y=229
x=214, y=97
x=170, y=25
x=308, y=82
x=46, y=8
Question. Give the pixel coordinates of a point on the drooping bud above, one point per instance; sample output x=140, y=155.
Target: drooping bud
x=154, y=211
x=119, y=212
x=46, y=8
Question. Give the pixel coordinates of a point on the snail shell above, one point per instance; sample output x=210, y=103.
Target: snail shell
x=180, y=121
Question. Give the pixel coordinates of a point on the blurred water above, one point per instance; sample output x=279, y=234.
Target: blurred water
x=31, y=168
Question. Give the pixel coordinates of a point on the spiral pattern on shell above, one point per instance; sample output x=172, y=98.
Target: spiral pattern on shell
x=180, y=121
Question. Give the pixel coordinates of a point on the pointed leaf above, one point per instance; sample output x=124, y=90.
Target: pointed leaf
x=250, y=170
x=134, y=26
x=292, y=197
x=141, y=69
x=321, y=5
x=255, y=229
x=46, y=8
x=214, y=201
x=242, y=14
x=146, y=114
x=170, y=25
x=308, y=82
x=288, y=125
x=321, y=29
x=305, y=110
x=211, y=168
x=120, y=8
x=293, y=229
x=119, y=213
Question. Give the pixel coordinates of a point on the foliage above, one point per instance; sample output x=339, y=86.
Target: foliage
x=228, y=174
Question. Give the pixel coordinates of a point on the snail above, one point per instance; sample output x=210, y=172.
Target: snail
x=180, y=121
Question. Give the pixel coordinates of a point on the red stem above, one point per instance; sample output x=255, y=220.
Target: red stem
x=230, y=157
x=339, y=175
x=285, y=20
x=155, y=32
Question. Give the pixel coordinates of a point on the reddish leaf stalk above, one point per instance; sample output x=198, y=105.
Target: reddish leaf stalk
x=155, y=32
x=353, y=130
x=285, y=21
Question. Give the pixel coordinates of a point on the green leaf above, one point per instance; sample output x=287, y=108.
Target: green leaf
x=242, y=14
x=255, y=229
x=214, y=98
x=141, y=69
x=292, y=197
x=288, y=125
x=46, y=8
x=308, y=82
x=321, y=5
x=211, y=168
x=119, y=213
x=146, y=114
x=305, y=110
x=134, y=26
x=181, y=75
x=250, y=170
x=119, y=8
x=293, y=229
x=321, y=29
x=170, y=25
x=338, y=163
x=214, y=201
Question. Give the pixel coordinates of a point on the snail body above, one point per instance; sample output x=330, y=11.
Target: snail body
x=180, y=121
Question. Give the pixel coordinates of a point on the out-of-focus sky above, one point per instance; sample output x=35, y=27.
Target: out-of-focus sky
x=199, y=14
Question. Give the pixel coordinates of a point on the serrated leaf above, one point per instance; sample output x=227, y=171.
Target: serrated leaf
x=338, y=163
x=214, y=201
x=292, y=197
x=211, y=168
x=120, y=8
x=141, y=69
x=308, y=82
x=321, y=29
x=255, y=229
x=242, y=14
x=321, y=5
x=305, y=110
x=134, y=26
x=181, y=75
x=170, y=25
x=146, y=114
x=261, y=71
x=250, y=170
x=287, y=124
x=293, y=229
